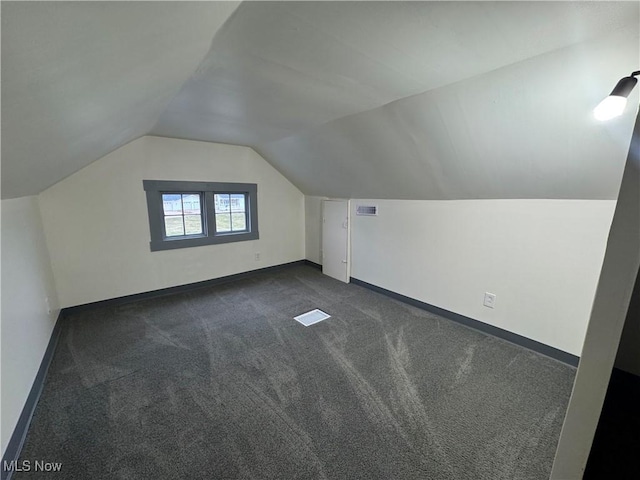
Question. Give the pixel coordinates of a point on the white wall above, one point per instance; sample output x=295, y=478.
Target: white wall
x=610, y=307
x=97, y=229
x=542, y=259
x=313, y=228
x=27, y=319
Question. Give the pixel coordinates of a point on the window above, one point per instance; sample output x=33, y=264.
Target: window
x=231, y=214
x=182, y=214
x=190, y=214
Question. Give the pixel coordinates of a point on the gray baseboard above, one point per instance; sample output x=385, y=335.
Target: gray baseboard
x=16, y=442
x=136, y=297
x=313, y=264
x=525, y=342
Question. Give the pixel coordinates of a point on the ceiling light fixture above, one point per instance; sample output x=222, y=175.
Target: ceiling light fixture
x=614, y=104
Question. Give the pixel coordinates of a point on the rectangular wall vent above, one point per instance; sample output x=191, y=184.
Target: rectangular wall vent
x=309, y=318
x=370, y=210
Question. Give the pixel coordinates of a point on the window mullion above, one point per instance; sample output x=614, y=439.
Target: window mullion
x=184, y=225
x=211, y=213
x=247, y=226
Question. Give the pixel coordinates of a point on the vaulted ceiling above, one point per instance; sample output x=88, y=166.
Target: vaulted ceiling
x=80, y=79
x=423, y=100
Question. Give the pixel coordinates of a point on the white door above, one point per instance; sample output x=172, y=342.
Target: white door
x=335, y=239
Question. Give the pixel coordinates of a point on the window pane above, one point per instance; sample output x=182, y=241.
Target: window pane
x=173, y=226
x=238, y=222
x=191, y=204
x=172, y=204
x=237, y=202
x=222, y=202
x=223, y=222
x=193, y=224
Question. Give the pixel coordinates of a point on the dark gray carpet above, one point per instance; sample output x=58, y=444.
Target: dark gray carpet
x=222, y=383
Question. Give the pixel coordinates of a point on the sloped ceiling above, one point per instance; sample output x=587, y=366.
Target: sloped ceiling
x=424, y=100
x=522, y=131
x=80, y=79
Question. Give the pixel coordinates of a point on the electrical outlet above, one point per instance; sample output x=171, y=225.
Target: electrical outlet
x=489, y=299
x=256, y=256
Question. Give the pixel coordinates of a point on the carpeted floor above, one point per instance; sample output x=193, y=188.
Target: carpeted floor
x=222, y=383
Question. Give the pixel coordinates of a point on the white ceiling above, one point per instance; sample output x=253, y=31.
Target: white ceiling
x=431, y=100
x=80, y=79
x=523, y=131
x=277, y=68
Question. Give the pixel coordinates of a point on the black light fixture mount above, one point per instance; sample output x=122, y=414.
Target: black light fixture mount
x=614, y=104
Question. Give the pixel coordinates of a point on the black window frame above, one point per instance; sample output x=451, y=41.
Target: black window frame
x=159, y=241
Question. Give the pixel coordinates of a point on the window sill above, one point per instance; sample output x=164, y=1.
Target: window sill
x=173, y=243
